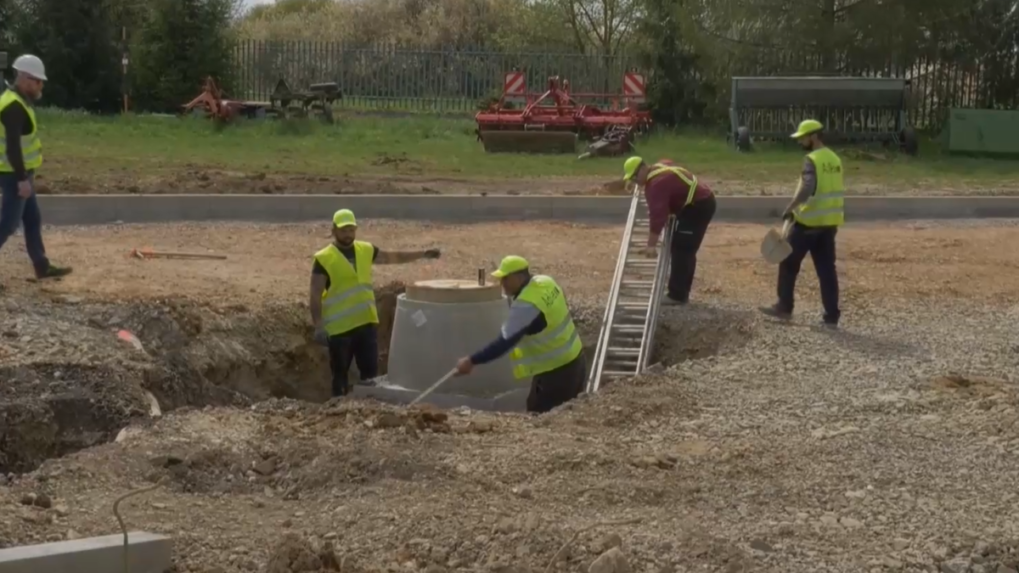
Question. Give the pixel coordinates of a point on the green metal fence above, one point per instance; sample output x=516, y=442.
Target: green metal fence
x=412, y=80
x=455, y=81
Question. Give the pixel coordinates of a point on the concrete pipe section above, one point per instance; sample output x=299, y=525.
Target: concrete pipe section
x=438, y=322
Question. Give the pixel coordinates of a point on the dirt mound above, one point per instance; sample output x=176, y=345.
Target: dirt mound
x=295, y=449
x=295, y=554
x=82, y=387
x=693, y=332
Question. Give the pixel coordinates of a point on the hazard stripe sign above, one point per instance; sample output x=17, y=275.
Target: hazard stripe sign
x=515, y=84
x=633, y=86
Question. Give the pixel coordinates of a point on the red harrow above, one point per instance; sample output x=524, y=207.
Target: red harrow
x=552, y=122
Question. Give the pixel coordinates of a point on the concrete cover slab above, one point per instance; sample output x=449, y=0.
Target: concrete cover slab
x=147, y=553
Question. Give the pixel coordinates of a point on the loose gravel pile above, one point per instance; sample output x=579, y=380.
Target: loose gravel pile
x=892, y=445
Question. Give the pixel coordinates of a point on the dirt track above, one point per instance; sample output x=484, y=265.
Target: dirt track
x=199, y=180
x=783, y=449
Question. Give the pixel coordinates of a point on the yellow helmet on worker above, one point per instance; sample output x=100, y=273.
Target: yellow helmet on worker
x=807, y=127
x=344, y=218
x=509, y=265
x=630, y=167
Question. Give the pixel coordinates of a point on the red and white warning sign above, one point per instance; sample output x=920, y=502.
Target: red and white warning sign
x=515, y=84
x=633, y=86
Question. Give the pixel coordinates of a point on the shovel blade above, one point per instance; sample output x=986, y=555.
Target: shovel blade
x=774, y=247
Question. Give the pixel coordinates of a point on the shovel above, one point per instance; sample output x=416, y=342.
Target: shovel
x=775, y=248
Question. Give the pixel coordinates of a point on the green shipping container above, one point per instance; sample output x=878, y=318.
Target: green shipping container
x=982, y=132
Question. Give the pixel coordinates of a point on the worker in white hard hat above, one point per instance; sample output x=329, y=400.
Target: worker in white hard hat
x=342, y=299
x=19, y=160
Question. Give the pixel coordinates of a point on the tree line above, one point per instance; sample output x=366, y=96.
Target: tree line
x=689, y=48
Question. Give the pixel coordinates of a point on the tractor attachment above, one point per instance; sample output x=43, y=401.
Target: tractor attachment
x=212, y=103
x=553, y=121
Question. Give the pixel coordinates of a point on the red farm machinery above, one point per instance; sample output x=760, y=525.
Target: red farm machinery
x=553, y=121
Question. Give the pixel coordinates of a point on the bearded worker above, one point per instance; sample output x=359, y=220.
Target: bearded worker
x=816, y=213
x=342, y=299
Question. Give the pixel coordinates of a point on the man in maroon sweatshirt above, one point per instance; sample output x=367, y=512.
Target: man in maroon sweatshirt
x=672, y=190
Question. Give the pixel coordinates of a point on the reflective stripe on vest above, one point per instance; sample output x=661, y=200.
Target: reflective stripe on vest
x=557, y=345
x=31, y=145
x=349, y=302
x=826, y=207
x=657, y=169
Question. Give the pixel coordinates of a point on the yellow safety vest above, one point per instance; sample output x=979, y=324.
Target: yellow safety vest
x=557, y=345
x=825, y=208
x=657, y=169
x=31, y=146
x=349, y=302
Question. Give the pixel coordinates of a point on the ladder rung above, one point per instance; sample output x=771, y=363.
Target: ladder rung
x=616, y=374
x=628, y=329
x=622, y=351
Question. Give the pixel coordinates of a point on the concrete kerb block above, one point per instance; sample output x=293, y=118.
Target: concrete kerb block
x=147, y=553
x=105, y=209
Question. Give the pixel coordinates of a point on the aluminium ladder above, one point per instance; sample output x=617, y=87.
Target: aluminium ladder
x=631, y=313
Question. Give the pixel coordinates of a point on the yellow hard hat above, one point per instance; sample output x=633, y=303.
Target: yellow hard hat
x=344, y=218
x=630, y=167
x=807, y=127
x=509, y=265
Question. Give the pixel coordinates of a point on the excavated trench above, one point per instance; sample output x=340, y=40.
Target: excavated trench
x=88, y=385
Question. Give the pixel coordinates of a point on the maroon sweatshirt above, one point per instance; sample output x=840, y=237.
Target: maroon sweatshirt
x=666, y=194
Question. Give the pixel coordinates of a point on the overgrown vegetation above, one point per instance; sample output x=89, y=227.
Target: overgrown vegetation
x=173, y=45
x=965, y=52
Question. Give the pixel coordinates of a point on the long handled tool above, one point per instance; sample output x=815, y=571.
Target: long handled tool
x=775, y=248
x=433, y=387
x=151, y=254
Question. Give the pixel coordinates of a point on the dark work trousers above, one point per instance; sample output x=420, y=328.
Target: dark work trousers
x=556, y=387
x=360, y=345
x=687, y=235
x=16, y=211
x=820, y=243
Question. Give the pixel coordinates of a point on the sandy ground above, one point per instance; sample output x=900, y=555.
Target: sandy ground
x=271, y=263
x=891, y=446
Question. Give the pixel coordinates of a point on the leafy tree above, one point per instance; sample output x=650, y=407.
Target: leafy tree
x=75, y=39
x=179, y=43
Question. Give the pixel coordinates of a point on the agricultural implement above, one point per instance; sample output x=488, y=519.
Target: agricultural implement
x=553, y=121
x=212, y=103
x=852, y=109
x=318, y=98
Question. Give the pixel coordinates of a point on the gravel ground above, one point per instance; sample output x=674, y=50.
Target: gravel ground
x=892, y=445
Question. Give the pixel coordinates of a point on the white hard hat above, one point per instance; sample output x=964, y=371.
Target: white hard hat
x=30, y=65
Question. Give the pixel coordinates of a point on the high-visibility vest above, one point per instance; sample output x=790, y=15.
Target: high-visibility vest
x=826, y=207
x=689, y=178
x=555, y=346
x=349, y=302
x=31, y=146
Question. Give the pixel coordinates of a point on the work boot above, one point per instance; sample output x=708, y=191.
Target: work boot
x=775, y=311
x=829, y=325
x=669, y=301
x=53, y=272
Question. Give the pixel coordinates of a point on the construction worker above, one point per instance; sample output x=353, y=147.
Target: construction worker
x=816, y=212
x=342, y=299
x=672, y=190
x=20, y=158
x=540, y=332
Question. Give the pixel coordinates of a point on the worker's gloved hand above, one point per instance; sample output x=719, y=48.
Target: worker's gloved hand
x=433, y=254
x=321, y=336
x=464, y=366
